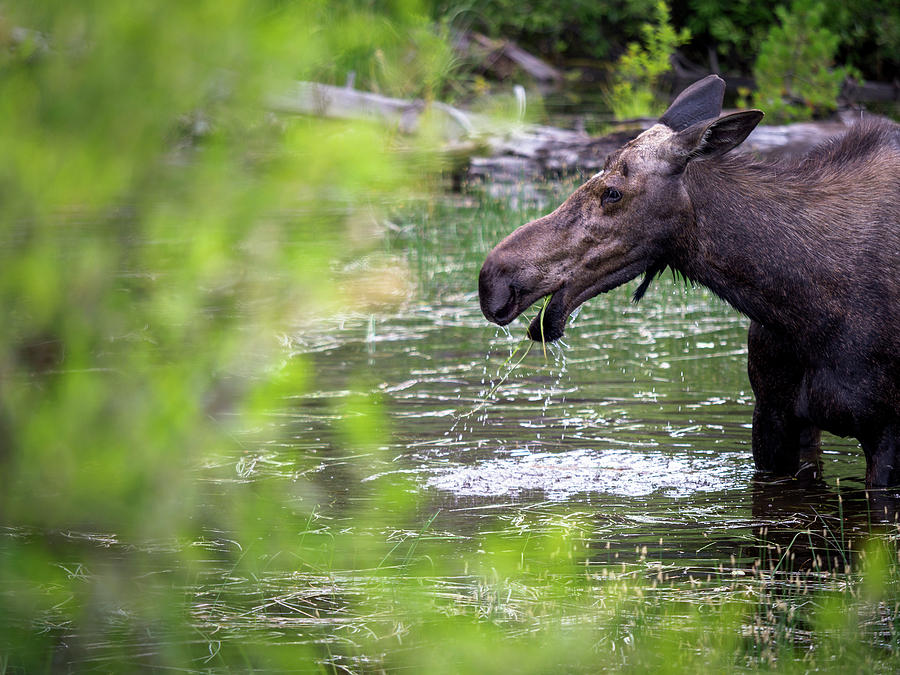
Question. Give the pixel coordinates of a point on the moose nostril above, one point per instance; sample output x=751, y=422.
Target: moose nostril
x=504, y=305
x=497, y=296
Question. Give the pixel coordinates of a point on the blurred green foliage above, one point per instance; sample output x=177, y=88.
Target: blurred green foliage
x=566, y=29
x=635, y=80
x=390, y=47
x=157, y=227
x=795, y=73
x=151, y=210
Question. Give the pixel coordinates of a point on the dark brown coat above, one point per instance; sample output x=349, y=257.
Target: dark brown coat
x=809, y=250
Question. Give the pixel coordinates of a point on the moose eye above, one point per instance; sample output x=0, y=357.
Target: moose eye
x=609, y=196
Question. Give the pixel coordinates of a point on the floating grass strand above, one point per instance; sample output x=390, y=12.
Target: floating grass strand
x=528, y=343
x=838, y=544
x=487, y=397
x=415, y=543
x=412, y=546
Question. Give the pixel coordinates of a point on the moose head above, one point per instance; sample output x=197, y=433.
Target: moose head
x=626, y=220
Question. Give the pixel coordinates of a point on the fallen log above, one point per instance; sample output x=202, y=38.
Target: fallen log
x=514, y=151
x=323, y=100
x=504, y=56
x=871, y=92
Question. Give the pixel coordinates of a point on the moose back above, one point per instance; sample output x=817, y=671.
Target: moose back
x=809, y=250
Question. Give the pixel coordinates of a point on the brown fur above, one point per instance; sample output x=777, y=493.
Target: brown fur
x=809, y=250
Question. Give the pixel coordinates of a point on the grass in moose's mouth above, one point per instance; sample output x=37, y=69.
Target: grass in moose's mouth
x=543, y=310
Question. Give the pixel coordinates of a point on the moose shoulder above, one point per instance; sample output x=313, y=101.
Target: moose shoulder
x=808, y=250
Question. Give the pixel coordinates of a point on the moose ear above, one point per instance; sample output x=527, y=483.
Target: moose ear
x=699, y=102
x=717, y=138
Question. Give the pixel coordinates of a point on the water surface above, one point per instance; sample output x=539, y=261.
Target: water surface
x=641, y=416
x=628, y=441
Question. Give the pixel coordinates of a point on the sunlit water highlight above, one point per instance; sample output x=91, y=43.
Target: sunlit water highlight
x=564, y=475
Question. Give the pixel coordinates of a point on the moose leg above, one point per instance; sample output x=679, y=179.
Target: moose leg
x=782, y=442
x=883, y=457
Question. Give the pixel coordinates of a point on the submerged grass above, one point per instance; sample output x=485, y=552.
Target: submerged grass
x=542, y=594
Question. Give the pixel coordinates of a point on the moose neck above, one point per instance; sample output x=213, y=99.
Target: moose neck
x=758, y=240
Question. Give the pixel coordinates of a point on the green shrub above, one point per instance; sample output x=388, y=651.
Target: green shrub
x=795, y=74
x=733, y=29
x=554, y=28
x=869, y=32
x=637, y=73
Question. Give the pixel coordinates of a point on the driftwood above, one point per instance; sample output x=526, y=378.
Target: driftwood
x=311, y=98
x=503, y=57
x=514, y=150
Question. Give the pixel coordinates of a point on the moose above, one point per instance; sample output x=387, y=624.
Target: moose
x=808, y=249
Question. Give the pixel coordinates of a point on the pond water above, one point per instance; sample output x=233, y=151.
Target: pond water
x=633, y=433
x=642, y=413
x=636, y=426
